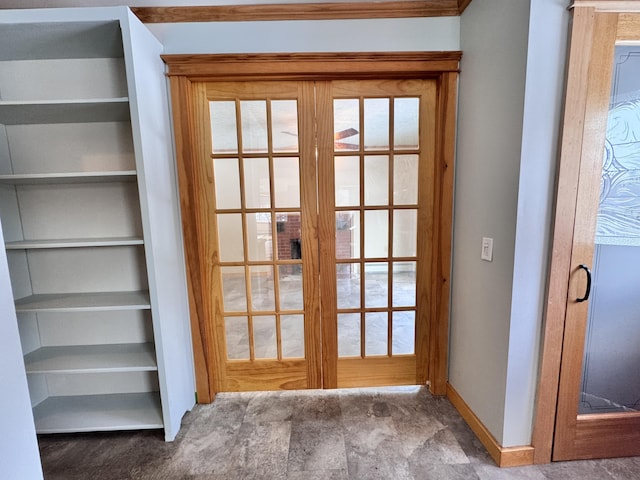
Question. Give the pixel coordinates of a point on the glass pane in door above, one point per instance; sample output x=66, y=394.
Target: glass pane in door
x=292, y=328
x=284, y=120
x=404, y=324
x=376, y=180
x=346, y=124
x=256, y=181
x=224, y=138
x=376, y=123
x=405, y=180
x=376, y=330
x=406, y=125
x=254, y=125
x=286, y=182
x=376, y=284
x=264, y=335
x=376, y=233
x=611, y=373
x=347, y=181
x=237, y=334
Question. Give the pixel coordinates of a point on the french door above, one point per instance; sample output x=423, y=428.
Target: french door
x=376, y=172
x=319, y=191
x=598, y=412
x=317, y=217
x=259, y=140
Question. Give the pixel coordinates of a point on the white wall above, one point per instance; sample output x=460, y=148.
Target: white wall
x=544, y=97
x=19, y=454
x=507, y=142
x=491, y=98
x=399, y=34
x=396, y=34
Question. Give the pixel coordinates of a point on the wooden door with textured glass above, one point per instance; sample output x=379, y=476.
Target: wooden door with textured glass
x=376, y=150
x=598, y=412
x=262, y=205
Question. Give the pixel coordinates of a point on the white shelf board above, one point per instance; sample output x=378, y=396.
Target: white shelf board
x=64, y=111
x=91, y=413
x=74, y=243
x=75, y=302
x=71, y=177
x=128, y=357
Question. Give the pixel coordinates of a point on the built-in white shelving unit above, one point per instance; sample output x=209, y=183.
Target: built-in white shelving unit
x=90, y=216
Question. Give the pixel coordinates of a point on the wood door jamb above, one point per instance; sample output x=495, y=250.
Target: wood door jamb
x=183, y=70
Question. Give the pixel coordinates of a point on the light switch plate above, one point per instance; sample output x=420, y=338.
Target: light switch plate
x=487, y=249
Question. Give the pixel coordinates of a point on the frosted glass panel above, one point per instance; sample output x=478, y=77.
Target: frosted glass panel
x=376, y=284
x=619, y=210
x=404, y=284
x=224, y=137
x=254, y=126
x=346, y=124
x=403, y=333
x=256, y=183
x=376, y=233
x=290, y=278
x=376, y=124
x=406, y=130
x=286, y=179
x=405, y=180
x=611, y=377
x=264, y=337
x=259, y=243
x=227, y=183
x=376, y=333
x=230, y=240
x=234, y=289
x=405, y=230
x=284, y=121
x=376, y=180
x=347, y=181
x=348, y=285
x=348, y=234
x=292, y=333
x=349, y=335
x=262, y=293
x=237, y=337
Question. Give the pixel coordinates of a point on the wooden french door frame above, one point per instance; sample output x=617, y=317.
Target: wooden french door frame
x=185, y=71
x=559, y=432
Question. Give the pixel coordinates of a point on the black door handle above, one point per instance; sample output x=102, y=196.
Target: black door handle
x=588, y=291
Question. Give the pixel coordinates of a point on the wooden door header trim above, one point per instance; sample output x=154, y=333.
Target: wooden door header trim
x=620, y=6
x=313, y=66
x=302, y=11
x=628, y=24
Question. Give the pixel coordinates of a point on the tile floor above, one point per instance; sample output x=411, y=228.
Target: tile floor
x=391, y=433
